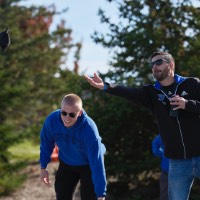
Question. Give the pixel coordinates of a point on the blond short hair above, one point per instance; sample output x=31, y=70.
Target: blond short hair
x=72, y=100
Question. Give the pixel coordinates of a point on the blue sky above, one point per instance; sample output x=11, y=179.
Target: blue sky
x=82, y=18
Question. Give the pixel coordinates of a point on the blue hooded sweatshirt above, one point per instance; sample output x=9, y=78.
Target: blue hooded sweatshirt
x=78, y=145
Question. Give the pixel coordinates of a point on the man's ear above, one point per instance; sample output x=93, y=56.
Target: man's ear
x=172, y=65
x=80, y=113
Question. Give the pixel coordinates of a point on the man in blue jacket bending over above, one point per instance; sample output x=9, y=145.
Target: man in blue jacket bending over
x=80, y=151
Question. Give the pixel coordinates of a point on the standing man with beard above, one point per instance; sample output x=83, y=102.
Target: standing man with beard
x=175, y=103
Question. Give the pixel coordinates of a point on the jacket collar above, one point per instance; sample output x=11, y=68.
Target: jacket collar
x=178, y=79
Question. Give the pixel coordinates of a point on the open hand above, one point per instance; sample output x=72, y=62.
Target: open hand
x=95, y=81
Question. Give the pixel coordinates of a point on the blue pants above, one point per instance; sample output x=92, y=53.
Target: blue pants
x=181, y=176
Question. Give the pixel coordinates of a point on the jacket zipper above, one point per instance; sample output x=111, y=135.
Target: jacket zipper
x=179, y=125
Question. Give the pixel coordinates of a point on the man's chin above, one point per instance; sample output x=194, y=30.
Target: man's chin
x=65, y=123
x=158, y=78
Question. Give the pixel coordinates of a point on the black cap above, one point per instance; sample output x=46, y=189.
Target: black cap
x=4, y=39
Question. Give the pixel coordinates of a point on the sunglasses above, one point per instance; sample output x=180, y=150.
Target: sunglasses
x=72, y=115
x=158, y=62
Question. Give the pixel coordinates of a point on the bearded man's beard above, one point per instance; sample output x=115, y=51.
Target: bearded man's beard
x=161, y=75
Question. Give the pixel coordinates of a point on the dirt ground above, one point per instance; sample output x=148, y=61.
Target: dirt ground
x=34, y=189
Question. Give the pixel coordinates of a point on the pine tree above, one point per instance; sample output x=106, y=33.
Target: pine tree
x=30, y=70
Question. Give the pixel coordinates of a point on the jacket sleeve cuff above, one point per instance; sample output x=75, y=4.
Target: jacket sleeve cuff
x=43, y=166
x=106, y=85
